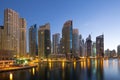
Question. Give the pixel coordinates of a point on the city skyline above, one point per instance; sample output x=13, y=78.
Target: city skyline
x=90, y=17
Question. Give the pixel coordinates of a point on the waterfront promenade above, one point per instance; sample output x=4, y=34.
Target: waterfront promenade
x=6, y=69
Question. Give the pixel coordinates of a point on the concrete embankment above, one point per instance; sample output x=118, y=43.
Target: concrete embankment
x=17, y=68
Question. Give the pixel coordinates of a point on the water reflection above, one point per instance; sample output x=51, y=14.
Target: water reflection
x=11, y=76
x=88, y=69
x=74, y=64
x=33, y=71
x=50, y=65
x=63, y=65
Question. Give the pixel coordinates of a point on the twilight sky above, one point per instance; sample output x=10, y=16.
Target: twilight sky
x=93, y=17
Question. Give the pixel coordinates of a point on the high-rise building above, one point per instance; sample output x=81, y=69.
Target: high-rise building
x=81, y=46
x=61, y=46
x=67, y=37
x=89, y=45
x=44, y=43
x=118, y=50
x=100, y=46
x=22, y=39
x=11, y=30
x=75, y=42
x=94, y=49
x=1, y=32
x=33, y=48
x=56, y=43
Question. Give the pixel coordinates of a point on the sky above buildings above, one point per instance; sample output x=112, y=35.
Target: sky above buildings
x=93, y=17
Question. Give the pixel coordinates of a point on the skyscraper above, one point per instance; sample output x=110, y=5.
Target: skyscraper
x=89, y=45
x=67, y=37
x=33, y=48
x=61, y=46
x=118, y=50
x=81, y=46
x=11, y=30
x=22, y=39
x=100, y=46
x=44, y=43
x=56, y=43
x=94, y=49
x=75, y=40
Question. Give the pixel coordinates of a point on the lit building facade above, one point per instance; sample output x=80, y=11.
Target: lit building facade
x=33, y=48
x=75, y=42
x=22, y=45
x=100, y=46
x=56, y=43
x=89, y=46
x=11, y=31
x=67, y=37
x=44, y=43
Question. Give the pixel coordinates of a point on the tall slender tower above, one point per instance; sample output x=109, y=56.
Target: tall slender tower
x=89, y=45
x=22, y=45
x=56, y=43
x=11, y=30
x=67, y=37
x=75, y=41
x=33, y=49
x=100, y=46
x=44, y=43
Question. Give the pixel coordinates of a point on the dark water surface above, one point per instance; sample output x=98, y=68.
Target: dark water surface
x=91, y=69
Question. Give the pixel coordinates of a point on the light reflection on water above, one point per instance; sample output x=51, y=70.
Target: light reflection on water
x=33, y=71
x=11, y=76
x=88, y=69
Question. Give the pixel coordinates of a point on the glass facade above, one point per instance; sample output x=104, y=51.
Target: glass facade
x=33, y=50
x=44, y=43
x=100, y=45
x=67, y=38
x=71, y=39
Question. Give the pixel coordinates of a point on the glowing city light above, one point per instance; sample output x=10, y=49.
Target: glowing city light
x=11, y=76
x=63, y=65
x=33, y=71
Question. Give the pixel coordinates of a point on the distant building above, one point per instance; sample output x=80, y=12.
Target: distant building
x=22, y=35
x=107, y=53
x=100, y=46
x=89, y=45
x=67, y=38
x=33, y=48
x=44, y=43
x=56, y=43
x=113, y=53
x=110, y=53
x=75, y=42
x=118, y=50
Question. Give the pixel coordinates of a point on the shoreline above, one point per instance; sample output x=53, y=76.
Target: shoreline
x=17, y=68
